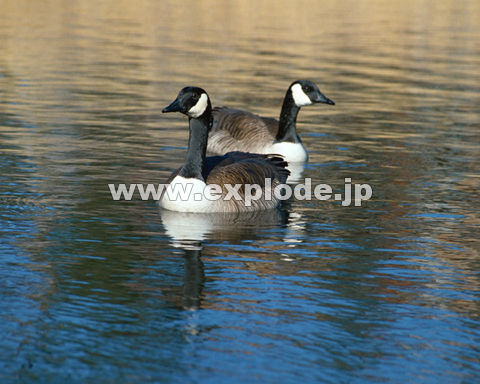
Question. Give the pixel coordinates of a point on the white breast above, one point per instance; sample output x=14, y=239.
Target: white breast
x=186, y=195
x=292, y=152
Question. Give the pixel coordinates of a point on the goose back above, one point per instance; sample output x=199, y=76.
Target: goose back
x=236, y=130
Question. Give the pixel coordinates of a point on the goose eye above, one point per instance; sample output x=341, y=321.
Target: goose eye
x=308, y=88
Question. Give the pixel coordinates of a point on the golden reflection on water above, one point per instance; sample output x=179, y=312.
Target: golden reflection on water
x=211, y=39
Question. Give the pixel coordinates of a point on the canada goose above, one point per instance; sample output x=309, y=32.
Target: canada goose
x=236, y=130
x=233, y=168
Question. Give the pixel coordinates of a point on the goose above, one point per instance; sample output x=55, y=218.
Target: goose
x=237, y=130
x=199, y=172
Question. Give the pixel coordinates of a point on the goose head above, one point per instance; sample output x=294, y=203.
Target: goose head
x=191, y=101
x=305, y=92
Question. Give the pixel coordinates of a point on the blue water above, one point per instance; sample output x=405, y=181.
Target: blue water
x=103, y=291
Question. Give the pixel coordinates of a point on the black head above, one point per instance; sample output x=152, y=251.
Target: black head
x=306, y=92
x=191, y=101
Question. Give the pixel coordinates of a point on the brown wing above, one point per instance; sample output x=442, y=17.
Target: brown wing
x=271, y=124
x=242, y=125
x=245, y=168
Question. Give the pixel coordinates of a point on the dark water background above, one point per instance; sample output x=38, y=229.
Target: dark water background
x=94, y=290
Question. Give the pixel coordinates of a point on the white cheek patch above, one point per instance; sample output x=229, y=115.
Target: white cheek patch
x=198, y=109
x=299, y=97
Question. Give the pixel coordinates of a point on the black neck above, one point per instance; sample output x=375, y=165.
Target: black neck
x=197, y=145
x=287, y=127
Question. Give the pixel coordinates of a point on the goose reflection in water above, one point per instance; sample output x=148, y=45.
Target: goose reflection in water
x=194, y=279
x=189, y=232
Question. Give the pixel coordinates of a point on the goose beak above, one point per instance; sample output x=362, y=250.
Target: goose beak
x=173, y=107
x=321, y=98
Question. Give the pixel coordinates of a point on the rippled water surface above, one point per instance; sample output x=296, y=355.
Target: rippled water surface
x=96, y=290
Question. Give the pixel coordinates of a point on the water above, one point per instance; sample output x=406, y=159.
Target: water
x=94, y=290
